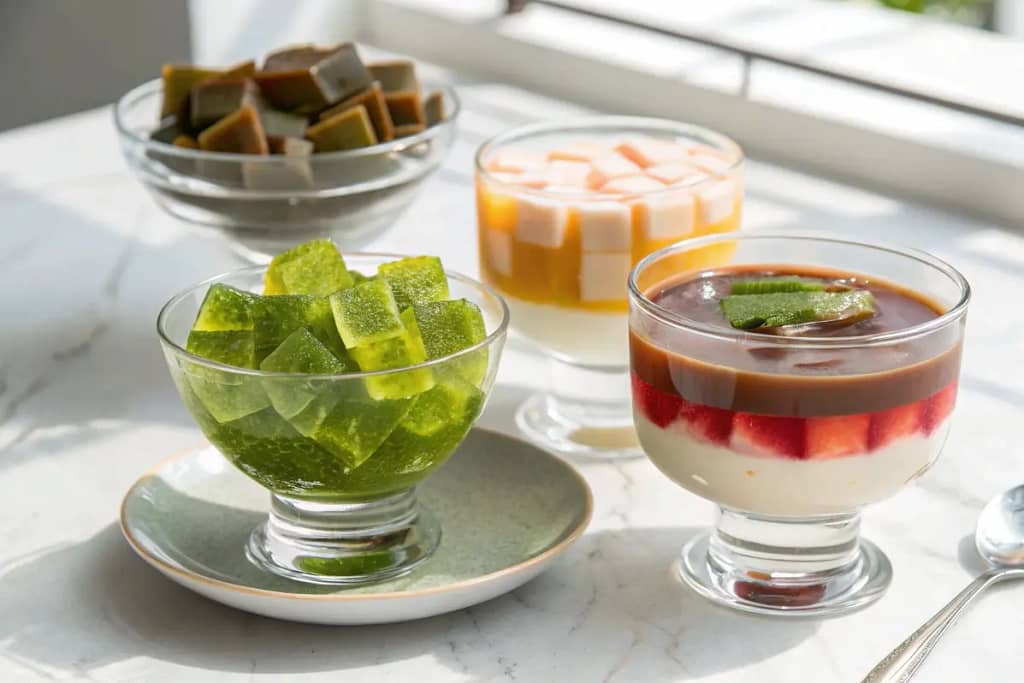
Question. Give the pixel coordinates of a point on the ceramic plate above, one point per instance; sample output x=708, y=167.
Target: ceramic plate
x=507, y=510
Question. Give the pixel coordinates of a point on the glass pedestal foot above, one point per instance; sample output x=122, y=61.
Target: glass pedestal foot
x=587, y=411
x=344, y=543
x=786, y=566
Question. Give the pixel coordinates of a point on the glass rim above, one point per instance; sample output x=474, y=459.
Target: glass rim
x=630, y=124
x=668, y=316
x=165, y=338
x=151, y=87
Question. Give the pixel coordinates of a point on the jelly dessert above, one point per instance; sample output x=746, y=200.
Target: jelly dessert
x=790, y=431
x=564, y=213
x=320, y=387
x=804, y=379
x=326, y=95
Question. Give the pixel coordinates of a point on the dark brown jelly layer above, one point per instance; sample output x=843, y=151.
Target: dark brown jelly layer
x=775, y=380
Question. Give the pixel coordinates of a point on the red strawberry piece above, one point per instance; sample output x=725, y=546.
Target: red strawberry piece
x=836, y=436
x=936, y=407
x=769, y=435
x=707, y=423
x=659, y=406
x=892, y=424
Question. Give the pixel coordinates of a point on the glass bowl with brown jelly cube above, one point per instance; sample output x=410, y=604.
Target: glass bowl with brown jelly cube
x=311, y=142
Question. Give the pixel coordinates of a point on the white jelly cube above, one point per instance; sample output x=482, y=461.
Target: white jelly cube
x=671, y=216
x=513, y=160
x=634, y=184
x=605, y=226
x=568, y=173
x=533, y=179
x=540, y=221
x=498, y=251
x=603, y=276
x=611, y=166
x=674, y=172
x=716, y=201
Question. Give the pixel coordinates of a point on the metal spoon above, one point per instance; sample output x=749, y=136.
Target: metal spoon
x=1000, y=542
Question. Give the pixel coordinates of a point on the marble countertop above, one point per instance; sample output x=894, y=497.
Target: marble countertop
x=86, y=405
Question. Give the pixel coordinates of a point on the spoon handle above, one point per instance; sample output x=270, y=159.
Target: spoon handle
x=903, y=662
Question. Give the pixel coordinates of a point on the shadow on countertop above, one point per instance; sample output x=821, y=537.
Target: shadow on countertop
x=609, y=608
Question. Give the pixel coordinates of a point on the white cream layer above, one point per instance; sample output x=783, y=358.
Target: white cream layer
x=784, y=486
x=581, y=336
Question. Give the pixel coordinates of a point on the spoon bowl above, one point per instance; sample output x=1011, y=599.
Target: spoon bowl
x=999, y=537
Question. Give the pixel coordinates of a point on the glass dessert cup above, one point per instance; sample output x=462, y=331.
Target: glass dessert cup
x=560, y=256
x=332, y=523
x=792, y=436
x=264, y=205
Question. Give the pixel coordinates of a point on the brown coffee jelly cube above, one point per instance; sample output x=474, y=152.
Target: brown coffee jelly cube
x=373, y=99
x=329, y=80
x=349, y=129
x=405, y=107
x=283, y=124
x=212, y=100
x=433, y=108
x=240, y=132
x=395, y=74
x=177, y=80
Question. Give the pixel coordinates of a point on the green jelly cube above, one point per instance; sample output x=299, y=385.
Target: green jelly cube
x=312, y=268
x=366, y=313
x=226, y=395
x=355, y=429
x=436, y=423
x=276, y=317
x=415, y=280
x=450, y=326
x=401, y=351
x=230, y=347
x=300, y=352
x=358, y=277
x=224, y=308
x=775, y=284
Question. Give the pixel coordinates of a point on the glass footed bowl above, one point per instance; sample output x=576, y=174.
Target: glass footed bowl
x=792, y=436
x=265, y=205
x=342, y=467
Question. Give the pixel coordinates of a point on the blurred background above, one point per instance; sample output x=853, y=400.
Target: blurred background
x=75, y=55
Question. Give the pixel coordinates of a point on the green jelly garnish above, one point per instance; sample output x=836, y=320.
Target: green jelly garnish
x=752, y=311
x=415, y=280
x=774, y=285
x=224, y=308
x=312, y=268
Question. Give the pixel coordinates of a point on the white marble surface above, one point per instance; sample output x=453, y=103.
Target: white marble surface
x=86, y=405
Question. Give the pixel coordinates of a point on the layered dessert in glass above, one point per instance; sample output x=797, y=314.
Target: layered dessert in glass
x=564, y=212
x=795, y=384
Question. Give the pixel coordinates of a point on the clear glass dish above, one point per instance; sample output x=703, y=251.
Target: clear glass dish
x=265, y=205
x=792, y=436
x=571, y=301
x=333, y=521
